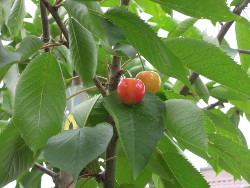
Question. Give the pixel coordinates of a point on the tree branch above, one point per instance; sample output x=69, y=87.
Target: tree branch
x=100, y=86
x=45, y=25
x=54, y=13
x=224, y=29
x=242, y=51
x=124, y=2
x=46, y=170
x=184, y=90
x=212, y=106
x=114, y=78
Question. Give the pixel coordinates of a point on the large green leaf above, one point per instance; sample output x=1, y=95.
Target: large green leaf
x=83, y=51
x=16, y=17
x=98, y=113
x=5, y=6
x=30, y=179
x=15, y=155
x=79, y=10
x=40, y=101
x=233, y=154
x=242, y=31
x=139, y=126
x=184, y=120
x=224, y=126
x=124, y=174
x=182, y=27
x=114, y=34
x=215, y=10
x=7, y=59
x=210, y=61
x=147, y=43
x=221, y=92
x=150, y=8
x=29, y=45
x=72, y=150
x=82, y=111
x=3, y=124
x=171, y=164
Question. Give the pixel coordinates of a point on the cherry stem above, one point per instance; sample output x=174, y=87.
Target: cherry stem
x=82, y=91
x=82, y=176
x=127, y=62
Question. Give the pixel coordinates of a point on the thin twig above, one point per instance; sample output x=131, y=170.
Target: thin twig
x=82, y=91
x=212, y=106
x=96, y=12
x=51, y=45
x=103, y=1
x=102, y=78
x=242, y=51
x=224, y=29
x=127, y=62
x=45, y=25
x=100, y=86
x=82, y=176
x=85, y=181
x=54, y=13
x=46, y=170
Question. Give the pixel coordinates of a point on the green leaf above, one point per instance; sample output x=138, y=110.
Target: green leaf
x=134, y=124
x=242, y=105
x=184, y=120
x=15, y=155
x=182, y=27
x=236, y=2
x=7, y=59
x=124, y=174
x=224, y=126
x=98, y=113
x=209, y=61
x=147, y=43
x=234, y=155
x=29, y=45
x=3, y=124
x=91, y=183
x=127, y=49
x=82, y=111
x=180, y=172
x=30, y=179
x=242, y=31
x=201, y=89
x=83, y=51
x=40, y=101
x=5, y=6
x=114, y=34
x=186, y=175
x=221, y=92
x=79, y=146
x=11, y=79
x=16, y=17
x=215, y=10
x=79, y=10
x=151, y=8
x=128, y=186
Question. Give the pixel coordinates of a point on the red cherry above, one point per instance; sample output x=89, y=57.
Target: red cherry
x=131, y=90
